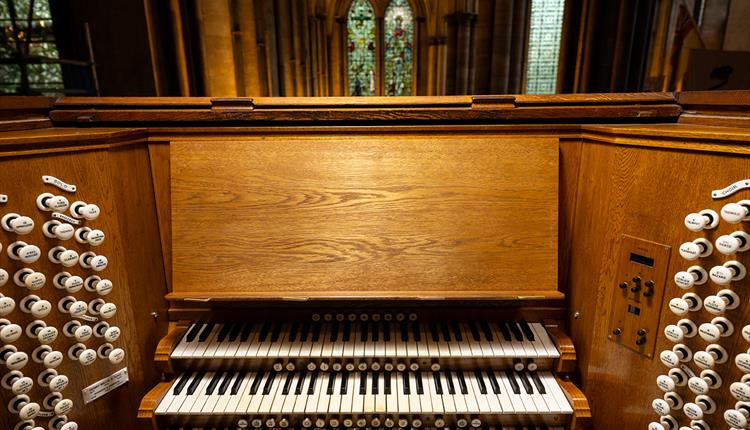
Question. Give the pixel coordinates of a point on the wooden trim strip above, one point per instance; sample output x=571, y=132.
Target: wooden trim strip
x=223, y=296
x=581, y=410
x=568, y=359
x=162, y=356
x=147, y=408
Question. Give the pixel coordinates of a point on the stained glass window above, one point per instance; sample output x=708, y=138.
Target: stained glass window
x=40, y=76
x=399, y=42
x=544, y=46
x=362, y=48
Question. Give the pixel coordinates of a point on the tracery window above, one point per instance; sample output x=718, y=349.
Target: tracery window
x=380, y=64
x=544, y=46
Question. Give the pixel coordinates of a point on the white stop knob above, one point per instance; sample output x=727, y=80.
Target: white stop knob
x=738, y=241
x=84, y=210
x=104, y=287
x=17, y=223
x=730, y=271
x=57, y=229
x=734, y=213
x=700, y=247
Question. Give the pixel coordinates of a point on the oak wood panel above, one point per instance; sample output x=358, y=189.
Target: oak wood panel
x=117, y=180
x=361, y=216
x=644, y=192
x=159, y=156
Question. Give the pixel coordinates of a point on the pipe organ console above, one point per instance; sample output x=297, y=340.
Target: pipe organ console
x=468, y=262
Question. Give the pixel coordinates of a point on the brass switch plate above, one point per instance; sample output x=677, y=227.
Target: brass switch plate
x=636, y=307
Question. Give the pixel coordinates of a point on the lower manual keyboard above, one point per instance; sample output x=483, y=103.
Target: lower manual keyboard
x=365, y=399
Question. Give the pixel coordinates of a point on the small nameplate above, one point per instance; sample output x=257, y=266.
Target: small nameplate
x=87, y=318
x=58, y=183
x=69, y=220
x=45, y=414
x=728, y=191
x=3, y=198
x=687, y=370
x=104, y=386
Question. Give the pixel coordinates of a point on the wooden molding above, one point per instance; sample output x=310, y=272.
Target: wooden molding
x=167, y=344
x=147, y=407
x=581, y=411
x=567, y=362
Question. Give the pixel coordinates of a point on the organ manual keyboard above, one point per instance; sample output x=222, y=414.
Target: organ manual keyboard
x=488, y=262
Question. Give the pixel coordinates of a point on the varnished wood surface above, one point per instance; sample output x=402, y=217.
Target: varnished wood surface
x=582, y=419
x=645, y=192
x=114, y=180
x=353, y=216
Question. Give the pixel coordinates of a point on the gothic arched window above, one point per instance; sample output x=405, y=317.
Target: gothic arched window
x=380, y=64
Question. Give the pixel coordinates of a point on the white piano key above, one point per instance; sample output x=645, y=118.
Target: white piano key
x=402, y=399
x=357, y=398
x=324, y=398
x=423, y=351
x=369, y=350
x=254, y=400
x=274, y=346
x=359, y=345
x=517, y=405
x=481, y=399
x=492, y=399
x=537, y=398
x=474, y=347
x=557, y=392
x=163, y=405
x=197, y=396
x=528, y=403
x=243, y=404
x=290, y=398
x=464, y=345
x=321, y=382
x=208, y=406
x=380, y=398
x=449, y=406
x=425, y=399
x=249, y=348
x=546, y=341
x=500, y=348
x=348, y=346
x=391, y=400
x=369, y=399
x=301, y=399
x=228, y=404
x=200, y=347
x=213, y=343
x=415, y=406
x=317, y=346
x=267, y=400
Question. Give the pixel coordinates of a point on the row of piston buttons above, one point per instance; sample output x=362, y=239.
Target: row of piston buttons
x=365, y=317
x=728, y=244
x=357, y=422
x=724, y=274
x=732, y=213
x=337, y=366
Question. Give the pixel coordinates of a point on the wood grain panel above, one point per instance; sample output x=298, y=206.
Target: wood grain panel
x=644, y=192
x=118, y=181
x=410, y=214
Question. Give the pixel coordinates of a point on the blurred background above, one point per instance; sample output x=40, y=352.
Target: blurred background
x=371, y=47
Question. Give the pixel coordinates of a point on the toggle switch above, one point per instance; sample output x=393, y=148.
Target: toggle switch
x=703, y=220
x=741, y=390
x=698, y=248
x=84, y=210
x=16, y=223
x=734, y=213
x=49, y=202
x=55, y=229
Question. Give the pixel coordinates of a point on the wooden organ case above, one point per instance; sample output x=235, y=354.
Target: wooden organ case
x=469, y=261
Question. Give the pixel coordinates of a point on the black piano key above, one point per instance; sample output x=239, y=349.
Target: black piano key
x=193, y=332
x=474, y=331
x=300, y=382
x=237, y=382
x=235, y=332
x=416, y=331
x=294, y=331
x=225, y=383
x=363, y=331
x=287, y=383
x=276, y=332
x=334, y=331
x=493, y=382
x=344, y=382
x=504, y=331
x=418, y=380
x=375, y=331
x=525, y=382
x=538, y=382
x=404, y=329
x=213, y=383
x=316, y=328
x=449, y=382
x=387, y=331
x=347, y=331
x=362, y=383
x=438, y=383
x=247, y=330
x=196, y=381
x=206, y=331
x=311, y=387
x=224, y=332
x=331, y=383
x=513, y=383
x=375, y=382
x=527, y=331
x=264, y=329
x=256, y=382
x=486, y=330
x=304, y=332
x=407, y=386
x=269, y=382
x=181, y=383
x=387, y=383
x=480, y=381
x=446, y=331
x=515, y=330
x=462, y=382
x=457, y=331
x=433, y=331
